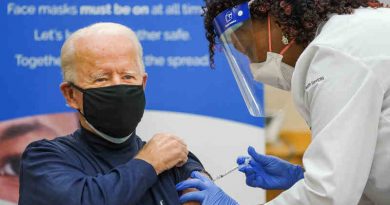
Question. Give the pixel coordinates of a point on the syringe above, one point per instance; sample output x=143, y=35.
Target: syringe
x=247, y=160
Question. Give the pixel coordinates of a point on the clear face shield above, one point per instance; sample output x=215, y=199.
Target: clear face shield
x=235, y=30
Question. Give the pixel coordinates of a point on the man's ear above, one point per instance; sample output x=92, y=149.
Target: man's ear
x=144, y=80
x=70, y=95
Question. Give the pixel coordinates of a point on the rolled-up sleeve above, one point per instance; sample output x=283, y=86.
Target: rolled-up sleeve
x=184, y=172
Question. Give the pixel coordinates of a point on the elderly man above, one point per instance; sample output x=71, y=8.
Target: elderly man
x=104, y=162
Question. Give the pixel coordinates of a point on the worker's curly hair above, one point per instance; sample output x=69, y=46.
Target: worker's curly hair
x=298, y=19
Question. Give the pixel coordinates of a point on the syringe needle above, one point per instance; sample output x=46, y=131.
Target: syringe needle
x=226, y=173
x=232, y=170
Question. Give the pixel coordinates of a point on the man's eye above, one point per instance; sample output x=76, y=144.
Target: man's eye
x=128, y=77
x=101, y=80
x=11, y=167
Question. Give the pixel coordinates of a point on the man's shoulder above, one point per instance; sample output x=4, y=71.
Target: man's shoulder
x=139, y=141
x=58, y=144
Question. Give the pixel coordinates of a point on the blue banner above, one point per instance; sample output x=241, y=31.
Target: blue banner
x=175, y=54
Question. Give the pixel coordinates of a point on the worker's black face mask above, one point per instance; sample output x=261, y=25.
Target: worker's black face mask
x=114, y=110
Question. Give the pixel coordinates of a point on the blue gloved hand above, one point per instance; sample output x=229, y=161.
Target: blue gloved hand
x=268, y=172
x=208, y=194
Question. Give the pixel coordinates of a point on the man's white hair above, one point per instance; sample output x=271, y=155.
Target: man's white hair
x=104, y=28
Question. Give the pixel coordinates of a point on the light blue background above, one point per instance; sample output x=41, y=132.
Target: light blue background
x=190, y=90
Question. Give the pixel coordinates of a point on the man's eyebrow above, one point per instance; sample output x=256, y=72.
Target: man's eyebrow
x=131, y=72
x=98, y=74
x=17, y=130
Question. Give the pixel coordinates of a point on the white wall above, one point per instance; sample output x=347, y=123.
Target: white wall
x=216, y=142
x=385, y=1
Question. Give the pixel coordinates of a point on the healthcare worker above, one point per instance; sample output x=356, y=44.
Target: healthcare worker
x=334, y=55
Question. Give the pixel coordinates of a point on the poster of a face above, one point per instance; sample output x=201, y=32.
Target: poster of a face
x=16, y=135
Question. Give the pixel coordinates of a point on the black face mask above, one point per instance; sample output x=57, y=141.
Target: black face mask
x=114, y=110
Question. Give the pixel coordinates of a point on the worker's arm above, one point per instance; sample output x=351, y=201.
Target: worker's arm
x=344, y=100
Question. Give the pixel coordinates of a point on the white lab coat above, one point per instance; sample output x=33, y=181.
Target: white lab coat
x=341, y=86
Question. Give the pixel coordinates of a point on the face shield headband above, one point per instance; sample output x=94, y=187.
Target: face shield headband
x=228, y=24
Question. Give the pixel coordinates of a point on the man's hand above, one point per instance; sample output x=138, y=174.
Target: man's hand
x=268, y=172
x=163, y=152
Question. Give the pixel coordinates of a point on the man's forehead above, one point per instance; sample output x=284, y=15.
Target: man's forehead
x=103, y=54
x=106, y=50
x=106, y=45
